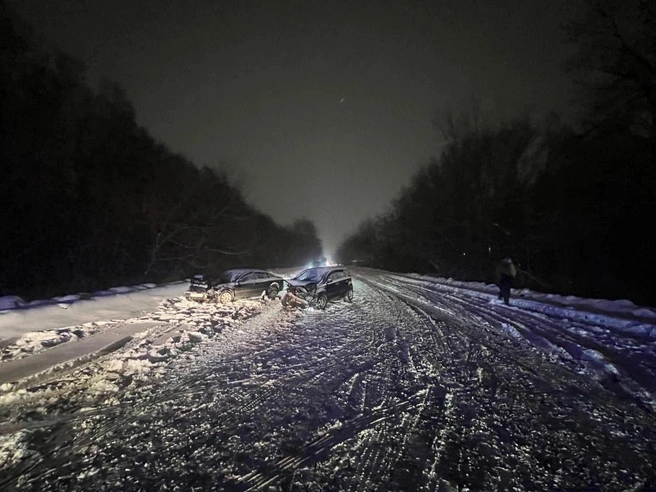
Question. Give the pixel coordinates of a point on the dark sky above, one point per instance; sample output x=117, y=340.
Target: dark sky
x=320, y=109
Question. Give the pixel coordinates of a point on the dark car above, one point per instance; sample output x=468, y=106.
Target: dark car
x=322, y=284
x=197, y=290
x=235, y=284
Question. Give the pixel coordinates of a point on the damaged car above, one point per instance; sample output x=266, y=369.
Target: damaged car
x=318, y=286
x=235, y=284
x=197, y=290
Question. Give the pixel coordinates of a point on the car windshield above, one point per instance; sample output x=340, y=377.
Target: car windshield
x=227, y=277
x=198, y=280
x=309, y=274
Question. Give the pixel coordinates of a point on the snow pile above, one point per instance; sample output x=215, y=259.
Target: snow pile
x=35, y=342
x=10, y=302
x=13, y=449
x=183, y=325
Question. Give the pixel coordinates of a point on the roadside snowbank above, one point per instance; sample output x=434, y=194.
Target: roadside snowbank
x=622, y=315
x=16, y=302
x=116, y=303
x=179, y=326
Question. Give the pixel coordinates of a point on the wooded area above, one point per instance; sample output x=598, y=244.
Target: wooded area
x=574, y=207
x=90, y=200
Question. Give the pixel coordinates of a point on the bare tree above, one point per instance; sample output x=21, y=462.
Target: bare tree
x=616, y=62
x=470, y=118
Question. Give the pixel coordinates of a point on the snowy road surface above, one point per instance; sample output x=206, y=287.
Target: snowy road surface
x=407, y=388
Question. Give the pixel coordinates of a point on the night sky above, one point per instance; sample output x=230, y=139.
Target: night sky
x=318, y=109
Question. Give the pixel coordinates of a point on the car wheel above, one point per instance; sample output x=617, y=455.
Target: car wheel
x=273, y=292
x=349, y=295
x=225, y=297
x=322, y=301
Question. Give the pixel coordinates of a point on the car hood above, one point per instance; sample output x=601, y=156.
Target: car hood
x=222, y=285
x=301, y=283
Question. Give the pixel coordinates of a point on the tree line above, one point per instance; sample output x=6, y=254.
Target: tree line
x=574, y=207
x=90, y=200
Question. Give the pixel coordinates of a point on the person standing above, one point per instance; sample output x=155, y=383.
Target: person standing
x=506, y=273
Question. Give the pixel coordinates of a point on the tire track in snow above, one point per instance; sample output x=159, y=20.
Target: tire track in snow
x=400, y=390
x=490, y=350
x=627, y=378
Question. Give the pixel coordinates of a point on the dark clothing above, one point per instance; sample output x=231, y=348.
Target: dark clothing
x=506, y=272
x=505, y=283
x=506, y=267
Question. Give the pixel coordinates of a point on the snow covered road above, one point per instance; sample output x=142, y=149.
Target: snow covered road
x=407, y=388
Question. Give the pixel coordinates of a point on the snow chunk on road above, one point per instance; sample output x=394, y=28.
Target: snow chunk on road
x=194, y=336
x=54, y=341
x=13, y=448
x=122, y=290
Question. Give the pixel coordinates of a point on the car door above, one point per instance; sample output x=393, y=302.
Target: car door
x=264, y=280
x=344, y=283
x=246, y=285
x=332, y=284
x=274, y=279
